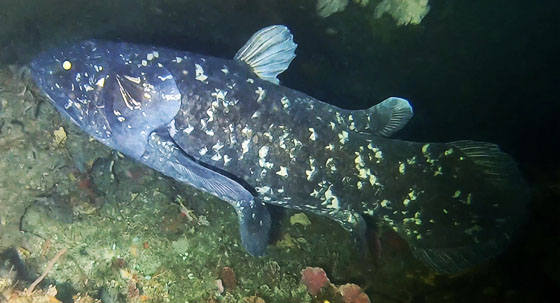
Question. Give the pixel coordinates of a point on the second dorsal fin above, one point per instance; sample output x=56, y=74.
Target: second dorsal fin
x=269, y=52
x=390, y=116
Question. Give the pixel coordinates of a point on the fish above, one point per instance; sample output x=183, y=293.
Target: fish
x=227, y=127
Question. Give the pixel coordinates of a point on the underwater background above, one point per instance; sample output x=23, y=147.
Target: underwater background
x=480, y=70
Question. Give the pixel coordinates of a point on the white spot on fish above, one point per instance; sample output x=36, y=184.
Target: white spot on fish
x=385, y=204
x=412, y=195
x=210, y=114
x=261, y=93
x=448, y=152
x=282, y=172
x=329, y=196
x=168, y=77
x=402, y=168
x=333, y=126
x=219, y=94
x=339, y=118
x=456, y=194
x=226, y=159
x=150, y=56
x=372, y=179
x=263, y=151
x=144, y=63
x=343, y=137
x=203, y=151
x=315, y=193
x=217, y=146
x=313, y=170
x=245, y=147
x=188, y=130
x=406, y=202
x=362, y=173
x=178, y=59
x=172, y=129
x=250, y=80
x=225, y=70
x=425, y=148
x=330, y=146
x=313, y=136
x=199, y=73
x=285, y=102
x=216, y=157
x=359, y=160
x=263, y=189
x=100, y=83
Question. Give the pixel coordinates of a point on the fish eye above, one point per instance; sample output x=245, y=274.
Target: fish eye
x=66, y=65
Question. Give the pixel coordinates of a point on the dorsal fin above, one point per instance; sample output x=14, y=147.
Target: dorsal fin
x=390, y=116
x=269, y=52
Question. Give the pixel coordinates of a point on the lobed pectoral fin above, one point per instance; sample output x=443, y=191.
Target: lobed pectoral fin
x=165, y=156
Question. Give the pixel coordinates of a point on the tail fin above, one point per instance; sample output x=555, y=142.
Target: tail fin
x=468, y=203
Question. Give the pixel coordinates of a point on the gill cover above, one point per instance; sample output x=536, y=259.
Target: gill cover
x=136, y=100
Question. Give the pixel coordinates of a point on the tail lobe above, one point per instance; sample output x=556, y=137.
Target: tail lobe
x=466, y=212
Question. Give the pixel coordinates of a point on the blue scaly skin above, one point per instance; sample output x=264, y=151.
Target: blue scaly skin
x=227, y=128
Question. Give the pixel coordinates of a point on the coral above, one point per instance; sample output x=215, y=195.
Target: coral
x=300, y=218
x=352, y=293
x=403, y=11
x=229, y=280
x=314, y=278
x=326, y=8
x=253, y=299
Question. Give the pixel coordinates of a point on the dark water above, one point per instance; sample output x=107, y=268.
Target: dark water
x=481, y=70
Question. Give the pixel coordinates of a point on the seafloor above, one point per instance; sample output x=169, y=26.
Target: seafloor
x=132, y=235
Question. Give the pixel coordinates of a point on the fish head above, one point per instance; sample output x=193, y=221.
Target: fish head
x=70, y=75
x=109, y=90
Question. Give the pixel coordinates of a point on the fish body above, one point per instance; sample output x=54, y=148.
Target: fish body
x=228, y=128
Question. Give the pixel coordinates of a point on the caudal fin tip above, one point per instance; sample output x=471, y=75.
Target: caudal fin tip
x=474, y=212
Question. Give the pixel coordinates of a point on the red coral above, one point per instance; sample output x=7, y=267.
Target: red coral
x=314, y=278
x=352, y=293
